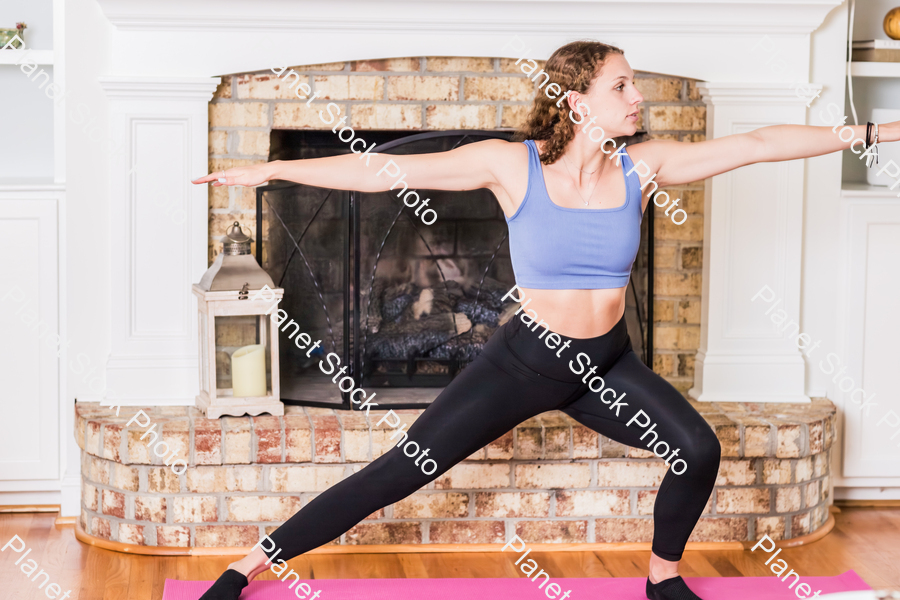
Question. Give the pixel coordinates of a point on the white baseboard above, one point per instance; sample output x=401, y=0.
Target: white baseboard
x=867, y=493
x=70, y=498
x=13, y=498
x=30, y=485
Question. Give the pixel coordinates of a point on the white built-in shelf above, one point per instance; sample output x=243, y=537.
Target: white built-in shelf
x=11, y=57
x=864, y=190
x=875, y=69
x=30, y=184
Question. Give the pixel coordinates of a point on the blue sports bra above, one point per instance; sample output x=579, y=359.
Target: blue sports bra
x=558, y=248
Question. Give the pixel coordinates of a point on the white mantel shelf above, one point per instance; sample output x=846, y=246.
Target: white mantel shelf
x=528, y=17
x=711, y=40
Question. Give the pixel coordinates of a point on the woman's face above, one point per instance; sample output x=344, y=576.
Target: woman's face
x=612, y=98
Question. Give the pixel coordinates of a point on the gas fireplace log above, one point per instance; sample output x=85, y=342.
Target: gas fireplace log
x=411, y=338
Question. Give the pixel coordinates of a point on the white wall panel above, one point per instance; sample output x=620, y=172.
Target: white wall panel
x=755, y=213
x=751, y=238
x=871, y=286
x=156, y=212
x=29, y=320
x=158, y=233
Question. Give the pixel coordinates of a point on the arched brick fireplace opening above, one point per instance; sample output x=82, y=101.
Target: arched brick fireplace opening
x=444, y=93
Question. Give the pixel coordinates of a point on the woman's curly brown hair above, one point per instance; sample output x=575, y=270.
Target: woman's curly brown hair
x=571, y=67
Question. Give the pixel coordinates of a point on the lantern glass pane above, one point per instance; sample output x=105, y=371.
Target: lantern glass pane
x=204, y=353
x=250, y=371
x=265, y=324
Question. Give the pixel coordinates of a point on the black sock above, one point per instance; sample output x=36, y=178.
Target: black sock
x=227, y=587
x=670, y=589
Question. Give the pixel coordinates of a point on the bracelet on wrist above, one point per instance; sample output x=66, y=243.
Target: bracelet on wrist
x=871, y=158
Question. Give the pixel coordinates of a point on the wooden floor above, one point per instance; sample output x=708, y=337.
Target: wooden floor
x=866, y=540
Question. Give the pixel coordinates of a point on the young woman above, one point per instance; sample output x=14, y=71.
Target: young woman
x=574, y=205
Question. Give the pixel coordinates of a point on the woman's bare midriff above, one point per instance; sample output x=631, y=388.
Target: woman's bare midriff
x=578, y=314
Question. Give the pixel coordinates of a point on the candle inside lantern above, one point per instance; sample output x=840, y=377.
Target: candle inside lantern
x=248, y=371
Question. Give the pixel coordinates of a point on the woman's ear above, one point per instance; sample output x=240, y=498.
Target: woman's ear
x=577, y=106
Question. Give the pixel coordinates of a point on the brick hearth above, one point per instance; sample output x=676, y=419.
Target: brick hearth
x=548, y=481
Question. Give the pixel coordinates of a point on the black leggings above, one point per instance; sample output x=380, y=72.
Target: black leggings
x=516, y=377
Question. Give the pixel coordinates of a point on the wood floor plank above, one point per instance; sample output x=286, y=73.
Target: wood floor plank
x=413, y=566
x=356, y=566
x=625, y=564
x=865, y=539
x=73, y=559
x=697, y=564
x=140, y=581
x=567, y=564
x=302, y=565
x=115, y=584
x=35, y=535
x=163, y=568
x=475, y=565
x=723, y=566
x=17, y=583
x=208, y=568
x=95, y=567
x=591, y=566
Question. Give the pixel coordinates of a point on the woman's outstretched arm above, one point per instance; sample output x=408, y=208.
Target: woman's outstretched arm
x=465, y=168
x=678, y=162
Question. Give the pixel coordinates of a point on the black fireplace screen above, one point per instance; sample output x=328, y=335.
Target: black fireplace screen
x=400, y=307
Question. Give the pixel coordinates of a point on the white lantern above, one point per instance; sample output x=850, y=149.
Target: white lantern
x=237, y=301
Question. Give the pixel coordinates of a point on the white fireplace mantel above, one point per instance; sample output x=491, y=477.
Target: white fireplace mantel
x=557, y=17
x=162, y=52
x=701, y=39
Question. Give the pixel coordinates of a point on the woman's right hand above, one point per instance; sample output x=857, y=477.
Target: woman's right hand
x=249, y=176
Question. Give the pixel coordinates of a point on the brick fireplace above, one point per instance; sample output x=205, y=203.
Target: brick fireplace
x=549, y=480
x=445, y=93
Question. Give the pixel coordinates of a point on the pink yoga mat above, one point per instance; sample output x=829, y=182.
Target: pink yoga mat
x=626, y=588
